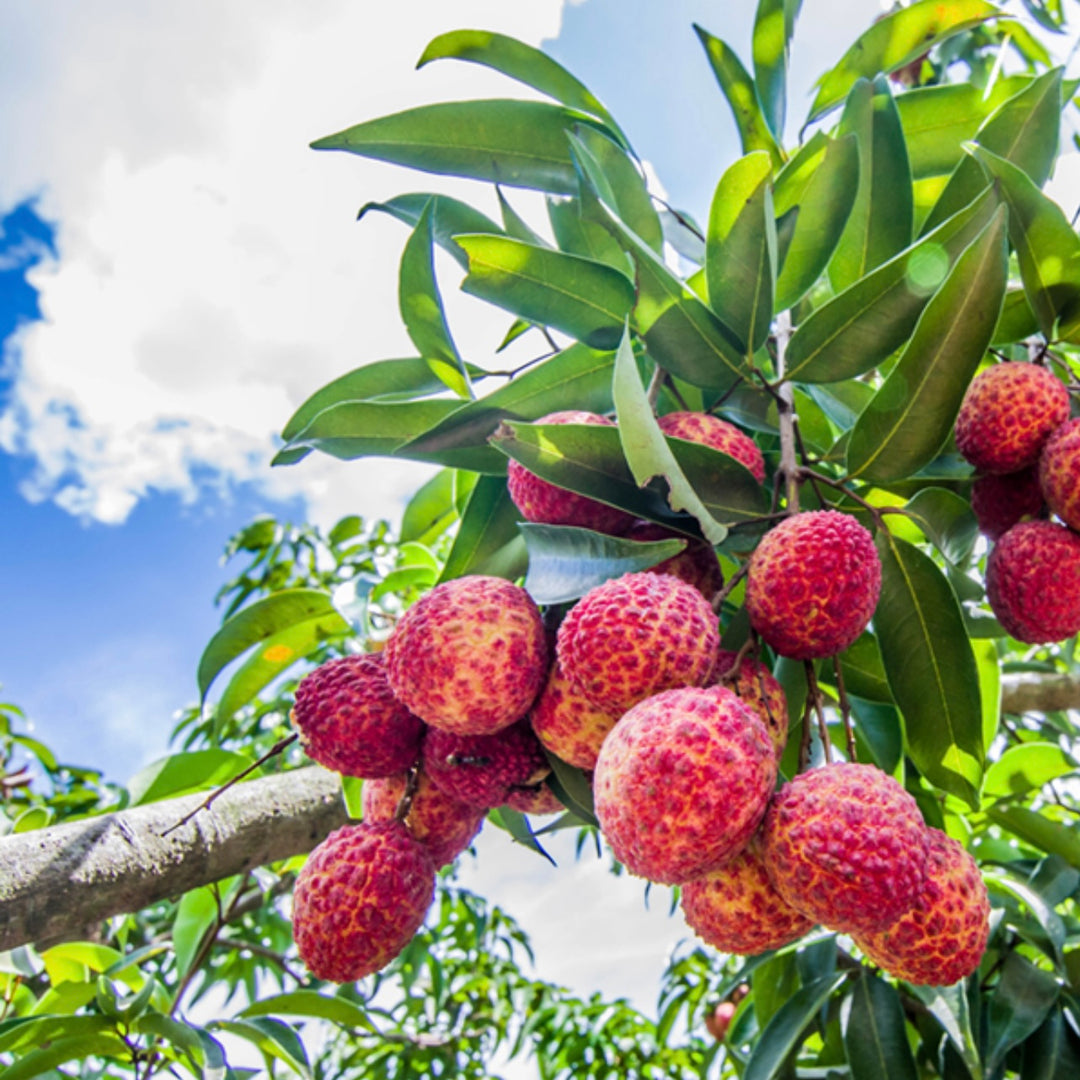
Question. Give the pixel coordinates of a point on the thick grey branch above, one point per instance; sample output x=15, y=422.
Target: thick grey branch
x=1035, y=692
x=55, y=882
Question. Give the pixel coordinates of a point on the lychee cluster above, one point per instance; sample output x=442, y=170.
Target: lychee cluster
x=1014, y=428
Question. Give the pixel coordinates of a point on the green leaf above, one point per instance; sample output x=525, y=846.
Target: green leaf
x=256, y=623
x=516, y=143
x=1017, y=1007
x=822, y=212
x=431, y=510
x=577, y=235
x=106, y=1045
x=1049, y=921
x=866, y=323
x=566, y=562
x=1052, y=1052
x=949, y=1006
x=1026, y=768
x=774, y=23
x=487, y=540
x=20, y=1033
x=517, y=825
x=930, y=667
x=875, y=1035
x=911, y=416
x=895, y=41
x=742, y=97
x=740, y=250
x=863, y=671
x=1038, y=830
x=196, y=913
x=180, y=774
x=310, y=1003
x=586, y=299
x=273, y=1038
x=573, y=788
x=1017, y=321
x=947, y=522
x=879, y=732
x=880, y=224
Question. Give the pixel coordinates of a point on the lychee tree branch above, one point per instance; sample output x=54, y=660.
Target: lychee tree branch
x=785, y=397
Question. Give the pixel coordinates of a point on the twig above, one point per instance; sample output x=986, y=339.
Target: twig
x=845, y=709
x=656, y=384
x=403, y=807
x=815, y=696
x=808, y=705
x=729, y=587
x=789, y=466
x=681, y=218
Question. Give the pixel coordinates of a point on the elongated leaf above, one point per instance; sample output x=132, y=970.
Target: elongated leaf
x=1049, y=921
x=774, y=23
x=576, y=787
x=909, y=419
x=517, y=825
x=947, y=522
x=585, y=299
x=1038, y=830
x=875, y=1036
x=740, y=250
x=858, y=329
x=517, y=143
x=895, y=41
x=256, y=623
x=310, y=1003
x=178, y=774
x=274, y=1038
x=19, y=1033
x=1017, y=320
x=197, y=912
x=487, y=539
x=742, y=97
x=1017, y=1007
x=1052, y=1053
x=1026, y=768
x=930, y=668
x=431, y=510
x=576, y=235
x=106, y=1045
x=949, y=1006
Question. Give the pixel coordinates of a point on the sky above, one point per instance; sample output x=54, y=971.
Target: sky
x=178, y=271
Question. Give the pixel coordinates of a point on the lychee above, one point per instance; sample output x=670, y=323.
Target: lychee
x=1000, y=502
x=544, y=502
x=537, y=799
x=1033, y=582
x=469, y=656
x=445, y=826
x=845, y=845
x=758, y=689
x=350, y=722
x=1059, y=472
x=736, y=909
x=682, y=782
x=812, y=584
x=696, y=564
x=567, y=723
x=636, y=635
x=942, y=937
x=358, y=900
x=1007, y=415
x=716, y=433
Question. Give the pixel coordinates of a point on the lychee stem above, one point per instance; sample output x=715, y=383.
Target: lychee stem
x=729, y=587
x=815, y=697
x=808, y=705
x=732, y=672
x=789, y=465
x=845, y=709
x=405, y=805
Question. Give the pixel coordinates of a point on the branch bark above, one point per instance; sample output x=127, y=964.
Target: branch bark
x=1036, y=692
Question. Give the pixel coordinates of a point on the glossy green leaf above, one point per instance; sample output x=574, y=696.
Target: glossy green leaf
x=1025, y=768
x=879, y=732
x=741, y=95
x=181, y=773
x=574, y=787
x=431, y=510
x=949, y=1006
x=310, y=1003
x=774, y=23
x=946, y=520
x=58, y=1052
x=256, y=623
x=911, y=416
x=740, y=250
x=880, y=223
x=822, y=212
x=183, y=1037
x=566, y=562
x=196, y=913
x=516, y=143
x=487, y=539
x=895, y=41
x=1038, y=830
x=577, y=235
x=586, y=299
x=863, y=672
x=875, y=1034
x=986, y=658
x=1017, y=1007
x=866, y=323
x=1017, y=321
x=1051, y=924
x=517, y=825
x=930, y=668
x=20, y=1033
x=1052, y=1052
x=274, y=1038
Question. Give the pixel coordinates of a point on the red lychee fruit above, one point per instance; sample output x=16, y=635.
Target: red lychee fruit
x=360, y=897
x=536, y=799
x=813, y=584
x=567, y=723
x=445, y=826
x=942, y=937
x=696, y=564
x=469, y=656
x=1059, y=472
x=636, y=635
x=1007, y=415
x=1033, y=582
x=1000, y=502
x=682, y=782
x=845, y=844
x=736, y=909
x=719, y=434
x=719, y=1020
x=350, y=722
x=758, y=689
x=544, y=502
x=480, y=770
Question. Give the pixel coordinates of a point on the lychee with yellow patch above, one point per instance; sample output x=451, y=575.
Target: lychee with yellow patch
x=1059, y=472
x=1001, y=501
x=718, y=434
x=696, y=564
x=758, y=689
x=567, y=723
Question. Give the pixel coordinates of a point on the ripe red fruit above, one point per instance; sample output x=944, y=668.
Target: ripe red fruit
x=716, y=433
x=1033, y=582
x=758, y=689
x=696, y=564
x=360, y=897
x=1059, y=472
x=350, y=722
x=1000, y=502
x=567, y=723
x=813, y=584
x=1007, y=415
x=536, y=799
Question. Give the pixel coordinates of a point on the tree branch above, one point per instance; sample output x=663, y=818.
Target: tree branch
x=1038, y=692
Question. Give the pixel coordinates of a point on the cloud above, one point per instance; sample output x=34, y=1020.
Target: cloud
x=209, y=273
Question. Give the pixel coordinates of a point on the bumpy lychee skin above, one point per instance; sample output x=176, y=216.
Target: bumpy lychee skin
x=942, y=937
x=536, y=799
x=1007, y=415
x=696, y=564
x=636, y=635
x=360, y=897
x=1000, y=502
x=845, y=844
x=1059, y=472
x=1033, y=582
x=813, y=584
x=545, y=503
x=736, y=909
x=567, y=723
x=719, y=434
x=445, y=826
x=480, y=770
x=682, y=782
x=350, y=722
x=758, y=690
x=469, y=656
